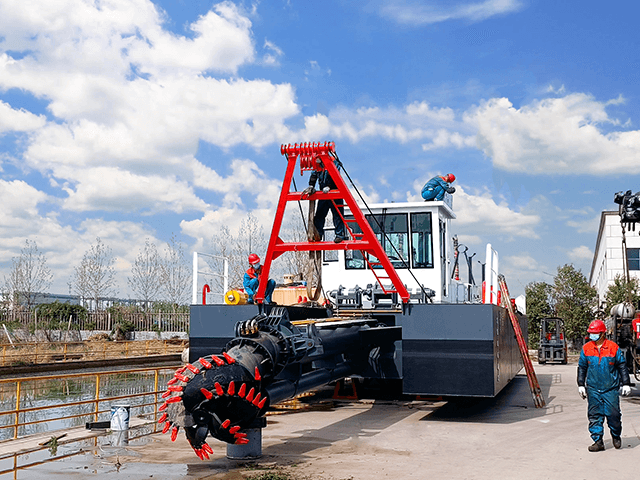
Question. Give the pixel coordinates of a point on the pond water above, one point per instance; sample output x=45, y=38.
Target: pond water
x=57, y=394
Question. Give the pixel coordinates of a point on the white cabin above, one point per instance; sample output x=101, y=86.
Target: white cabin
x=417, y=238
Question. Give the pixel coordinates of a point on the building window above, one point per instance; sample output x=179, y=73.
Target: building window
x=421, y=240
x=633, y=258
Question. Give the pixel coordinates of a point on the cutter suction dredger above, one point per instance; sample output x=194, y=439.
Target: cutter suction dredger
x=269, y=360
x=415, y=329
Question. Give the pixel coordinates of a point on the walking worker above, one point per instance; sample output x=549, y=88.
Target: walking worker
x=435, y=188
x=251, y=280
x=326, y=183
x=601, y=371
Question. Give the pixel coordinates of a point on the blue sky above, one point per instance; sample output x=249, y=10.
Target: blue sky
x=132, y=119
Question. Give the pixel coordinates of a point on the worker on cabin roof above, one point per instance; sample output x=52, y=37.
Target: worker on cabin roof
x=435, y=188
x=251, y=280
x=601, y=371
x=326, y=183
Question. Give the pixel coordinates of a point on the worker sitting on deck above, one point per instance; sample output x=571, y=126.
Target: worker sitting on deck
x=601, y=371
x=251, y=280
x=326, y=184
x=435, y=188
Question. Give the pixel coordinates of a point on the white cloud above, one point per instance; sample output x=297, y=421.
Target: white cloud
x=413, y=12
x=554, y=136
x=418, y=121
x=272, y=55
x=132, y=100
x=589, y=225
x=112, y=189
x=580, y=253
x=523, y=262
x=18, y=120
x=480, y=214
x=245, y=177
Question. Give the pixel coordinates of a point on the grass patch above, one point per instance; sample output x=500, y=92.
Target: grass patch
x=271, y=476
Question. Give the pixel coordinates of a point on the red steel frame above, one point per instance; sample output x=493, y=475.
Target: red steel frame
x=318, y=156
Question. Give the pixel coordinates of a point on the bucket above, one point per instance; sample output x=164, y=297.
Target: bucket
x=120, y=417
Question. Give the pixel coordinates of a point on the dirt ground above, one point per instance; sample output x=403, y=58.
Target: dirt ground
x=505, y=437
x=97, y=348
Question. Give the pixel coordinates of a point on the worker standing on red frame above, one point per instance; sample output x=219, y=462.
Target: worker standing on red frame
x=326, y=184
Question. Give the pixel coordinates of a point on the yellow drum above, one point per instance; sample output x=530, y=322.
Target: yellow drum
x=234, y=297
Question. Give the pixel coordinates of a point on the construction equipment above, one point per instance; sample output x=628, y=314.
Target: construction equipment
x=270, y=360
x=320, y=156
x=244, y=358
x=552, y=347
x=622, y=327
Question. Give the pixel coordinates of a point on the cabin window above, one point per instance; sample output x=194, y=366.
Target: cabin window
x=392, y=231
x=633, y=258
x=353, y=259
x=421, y=240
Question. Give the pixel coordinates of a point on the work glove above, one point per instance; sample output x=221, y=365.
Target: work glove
x=326, y=189
x=583, y=392
x=307, y=192
x=451, y=190
x=626, y=390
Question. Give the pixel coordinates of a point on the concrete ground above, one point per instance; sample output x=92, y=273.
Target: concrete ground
x=505, y=438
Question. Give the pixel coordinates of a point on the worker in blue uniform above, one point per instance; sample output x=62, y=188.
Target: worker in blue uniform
x=251, y=280
x=326, y=183
x=601, y=371
x=435, y=188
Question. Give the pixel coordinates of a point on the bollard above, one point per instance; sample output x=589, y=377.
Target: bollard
x=250, y=450
x=120, y=417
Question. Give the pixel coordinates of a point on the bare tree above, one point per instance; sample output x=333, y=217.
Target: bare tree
x=146, y=274
x=175, y=273
x=29, y=275
x=95, y=277
x=236, y=248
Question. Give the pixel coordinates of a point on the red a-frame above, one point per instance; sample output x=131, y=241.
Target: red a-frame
x=319, y=156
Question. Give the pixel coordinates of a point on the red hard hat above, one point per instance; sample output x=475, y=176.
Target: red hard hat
x=597, y=326
x=253, y=258
x=451, y=177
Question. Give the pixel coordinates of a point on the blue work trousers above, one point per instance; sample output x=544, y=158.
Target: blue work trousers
x=251, y=288
x=601, y=405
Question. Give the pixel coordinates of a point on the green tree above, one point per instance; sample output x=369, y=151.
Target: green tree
x=575, y=301
x=622, y=291
x=539, y=306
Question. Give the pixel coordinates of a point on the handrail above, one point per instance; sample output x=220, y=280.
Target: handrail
x=20, y=383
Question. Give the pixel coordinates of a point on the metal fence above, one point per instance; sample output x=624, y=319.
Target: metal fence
x=149, y=322
x=45, y=405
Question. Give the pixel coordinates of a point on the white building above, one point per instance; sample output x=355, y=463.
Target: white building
x=608, y=258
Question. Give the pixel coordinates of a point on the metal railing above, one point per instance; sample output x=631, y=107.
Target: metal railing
x=49, y=352
x=104, y=321
x=25, y=391
x=143, y=403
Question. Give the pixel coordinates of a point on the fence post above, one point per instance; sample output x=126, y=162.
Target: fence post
x=15, y=428
x=95, y=416
x=155, y=404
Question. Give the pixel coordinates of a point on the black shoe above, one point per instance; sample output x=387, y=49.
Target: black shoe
x=597, y=446
x=339, y=239
x=617, y=442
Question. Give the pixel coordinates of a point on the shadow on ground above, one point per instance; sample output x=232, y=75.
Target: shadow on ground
x=513, y=404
